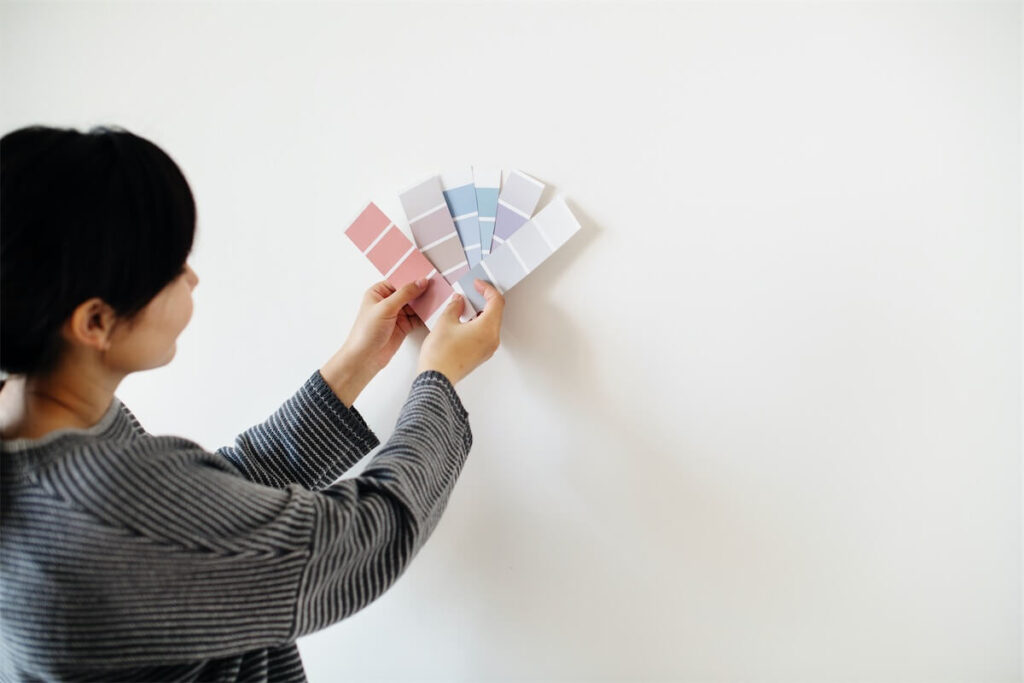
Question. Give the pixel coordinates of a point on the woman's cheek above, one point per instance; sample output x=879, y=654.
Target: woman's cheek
x=187, y=306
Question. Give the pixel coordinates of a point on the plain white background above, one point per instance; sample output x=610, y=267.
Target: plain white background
x=759, y=420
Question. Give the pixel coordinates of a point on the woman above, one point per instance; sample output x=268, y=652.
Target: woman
x=127, y=556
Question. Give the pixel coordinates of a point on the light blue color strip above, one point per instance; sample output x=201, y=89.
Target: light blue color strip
x=487, y=209
x=487, y=201
x=461, y=200
x=469, y=234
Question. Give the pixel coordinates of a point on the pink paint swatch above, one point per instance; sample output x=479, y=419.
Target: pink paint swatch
x=395, y=257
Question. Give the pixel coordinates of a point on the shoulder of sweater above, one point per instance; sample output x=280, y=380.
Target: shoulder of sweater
x=137, y=427
x=98, y=463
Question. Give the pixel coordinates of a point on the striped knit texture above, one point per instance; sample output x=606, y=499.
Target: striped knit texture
x=132, y=557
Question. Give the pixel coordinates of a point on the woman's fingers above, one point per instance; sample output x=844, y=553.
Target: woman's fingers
x=454, y=310
x=495, y=302
x=394, y=302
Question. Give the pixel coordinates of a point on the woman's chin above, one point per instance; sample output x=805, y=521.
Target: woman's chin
x=171, y=352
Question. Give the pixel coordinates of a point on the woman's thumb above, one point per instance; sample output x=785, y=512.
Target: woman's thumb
x=411, y=290
x=454, y=310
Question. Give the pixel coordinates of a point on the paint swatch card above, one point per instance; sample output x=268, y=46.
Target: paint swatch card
x=518, y=199
x=460, y=195
x=487, y=182
x=523, y=252
x=433, y=229
x=398, y=260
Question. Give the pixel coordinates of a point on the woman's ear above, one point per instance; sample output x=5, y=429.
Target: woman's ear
x=91, y=324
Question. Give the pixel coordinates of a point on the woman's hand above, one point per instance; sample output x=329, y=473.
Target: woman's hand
x=454, y=348
x=382, y=323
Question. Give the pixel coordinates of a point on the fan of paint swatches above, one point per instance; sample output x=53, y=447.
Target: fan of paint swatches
x=487, y=182
x=518, y=199
x=394, y=255
x=460, y=195
x=433, y=229
x=530, y=245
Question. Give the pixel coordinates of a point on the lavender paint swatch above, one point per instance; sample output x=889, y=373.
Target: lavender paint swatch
x=518, y=199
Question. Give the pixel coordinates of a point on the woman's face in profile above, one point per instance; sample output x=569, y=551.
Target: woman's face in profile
x=151, y=340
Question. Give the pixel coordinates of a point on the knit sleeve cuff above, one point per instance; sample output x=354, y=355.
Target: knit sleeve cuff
x=438, y=384
x=347, y=418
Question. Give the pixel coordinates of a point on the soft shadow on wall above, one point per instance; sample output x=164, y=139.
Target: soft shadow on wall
x=586, y=586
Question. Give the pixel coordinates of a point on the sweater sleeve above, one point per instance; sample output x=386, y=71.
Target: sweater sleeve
x=198, y=562
x=311, y=440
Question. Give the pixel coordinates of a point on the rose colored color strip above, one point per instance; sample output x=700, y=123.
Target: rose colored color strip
x=389, y=250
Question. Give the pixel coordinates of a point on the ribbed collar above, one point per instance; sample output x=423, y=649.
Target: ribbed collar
x=113, y=423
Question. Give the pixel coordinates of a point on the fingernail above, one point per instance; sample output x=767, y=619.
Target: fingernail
x=421, y=283
x=457, y=298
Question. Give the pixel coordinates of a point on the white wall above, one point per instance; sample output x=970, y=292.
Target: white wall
x=759, y=420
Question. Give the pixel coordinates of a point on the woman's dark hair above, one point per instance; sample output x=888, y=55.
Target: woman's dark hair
x=100, y=214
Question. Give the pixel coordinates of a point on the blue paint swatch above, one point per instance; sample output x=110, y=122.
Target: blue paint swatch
x=460, y=195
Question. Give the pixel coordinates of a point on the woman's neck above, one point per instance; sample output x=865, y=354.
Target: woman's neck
x=31, y=408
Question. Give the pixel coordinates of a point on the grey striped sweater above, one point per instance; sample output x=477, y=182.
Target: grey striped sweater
x=132, y=557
